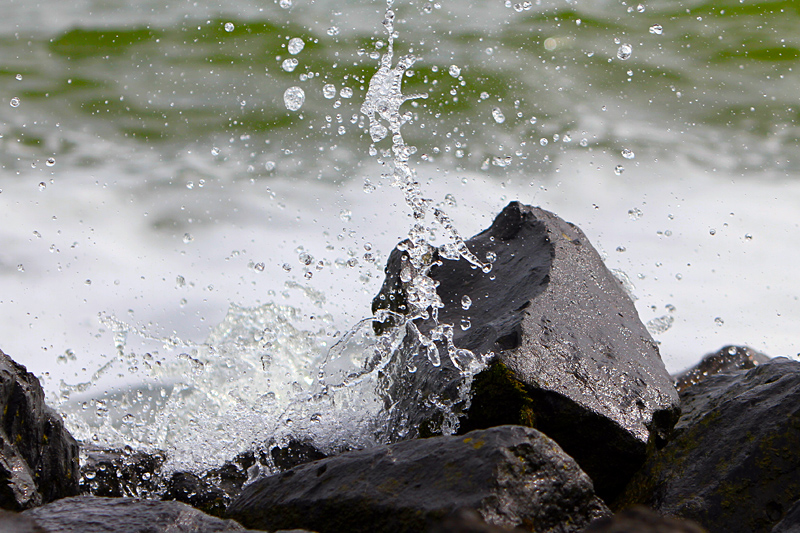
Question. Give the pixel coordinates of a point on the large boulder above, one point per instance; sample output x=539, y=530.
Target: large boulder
x=640, y=519
x=733, y=463
x=790, y=522
x=510, y=475
x=38, y=456
x=571, y=356
x=93, y=514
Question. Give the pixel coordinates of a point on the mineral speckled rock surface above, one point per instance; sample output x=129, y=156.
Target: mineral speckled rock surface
x=92, y=514
x=38, y=456
x=570, y=348
x=734, y=461
x=726, y=359
x=511, y=475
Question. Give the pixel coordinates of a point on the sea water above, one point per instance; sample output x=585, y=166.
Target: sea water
x=172, y=207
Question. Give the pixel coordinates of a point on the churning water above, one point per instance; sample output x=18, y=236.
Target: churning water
x=197, y=198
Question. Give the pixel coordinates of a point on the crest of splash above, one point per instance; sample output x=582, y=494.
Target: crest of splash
x=382, y=105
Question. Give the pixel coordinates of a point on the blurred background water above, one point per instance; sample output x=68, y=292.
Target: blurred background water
x=152, y=172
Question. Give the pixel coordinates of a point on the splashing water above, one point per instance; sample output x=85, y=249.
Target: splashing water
x=269, y=375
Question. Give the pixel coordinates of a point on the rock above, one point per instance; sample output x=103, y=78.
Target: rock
x=790, y=522
x=17, y=523
x=732, y=465
x=640, y=519
x=116, y=473
x=469, y=521
x=572, y=357
x=726, y=359
x=38, y=456
x=92, y=514
x=511, y=475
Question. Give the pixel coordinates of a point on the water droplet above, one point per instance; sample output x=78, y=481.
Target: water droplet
x=87, y=282
x=305, y=258
x=308, y=275
x=618, y=170
x=333, y=31
x=259, y=267
x=345, y=215
x=377, y=131
x=640, y=8
x=532, y=120
x=712, y=231
x=627, y=153
x=621, y=249
x=454, y=71
x=329, y=91
x=14, y=102
x=50, y=161
x=635, y=213
x=625, y=51
x=466, y=302
x=128, y=419
x=187, y=238
x=543, y=141
x=287, y=267
x=229, y=27
x=748, y=237
x=718, y=321
x=215, y=151
x=293, y=98
x=285, y=4
x=180, y=281
x=656, y=29
x=346, y=92
x=289, y=65
x=20, y=267
x=42, y=185
x=18, y=77
x=270, y=166
x=465, y=324
x=296, y=46
x=498, y=115
x=491, y=257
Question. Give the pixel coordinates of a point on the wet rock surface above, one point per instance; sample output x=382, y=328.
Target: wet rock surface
x=92, y=514
x=734, y=461
x=510, y=475
x=726, y=359
x=570, y=349
x=790, y=522
x=38, y=456
x=642, y=520
x=119, y=472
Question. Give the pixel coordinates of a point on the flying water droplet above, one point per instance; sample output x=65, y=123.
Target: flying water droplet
x=656, y=29
x=465, y=324
x=289, y=65
x=259, y=267
x=625, y=51
x=18, y=77
x=296, y=46
x=187, y=238
x=14, y=102
x=618, y=170
x=346, y=92
x=454, y=71
x=466, y=302
x=229, y=27
x=333, y=31
x=50, y=161
x=42, y=186
x=627, y=153
x=498, y=115
x=718, y=321
x=285, y=4
x=329, y=91
x=640, y=8
x=635, y=213
x=215, y=151
x=293, y=98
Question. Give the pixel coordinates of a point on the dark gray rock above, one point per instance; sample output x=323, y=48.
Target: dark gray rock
x=726, y=359
x=790, y=522
x=120, y=472
x=642, y=520
x=511, y=475
x=38, y=456
x=734, y=461
x=17, y=523
x=469, y=521
x=570, y=349
x=92, y=514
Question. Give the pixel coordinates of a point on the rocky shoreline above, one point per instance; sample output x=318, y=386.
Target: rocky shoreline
x=574, y=426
